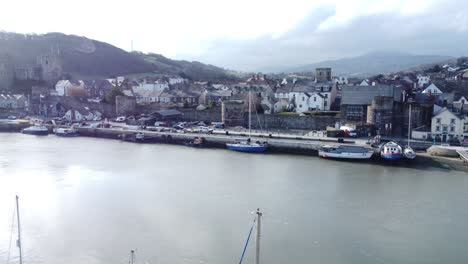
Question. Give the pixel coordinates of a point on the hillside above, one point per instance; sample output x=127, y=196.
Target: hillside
x=372, y=63
x=86, y=58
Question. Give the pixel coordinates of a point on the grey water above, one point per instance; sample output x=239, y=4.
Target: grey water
x=85, y=200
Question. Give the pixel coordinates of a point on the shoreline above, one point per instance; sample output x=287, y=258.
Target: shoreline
x=294, y=146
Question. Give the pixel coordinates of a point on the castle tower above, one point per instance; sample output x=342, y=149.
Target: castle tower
x=51, y=64
x=6, y=72
x=323, y=75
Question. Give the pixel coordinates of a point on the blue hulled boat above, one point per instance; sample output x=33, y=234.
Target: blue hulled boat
x=247, y=146
x=391, y=151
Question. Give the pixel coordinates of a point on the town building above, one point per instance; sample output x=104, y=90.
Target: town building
x=370, y=105
x=13, y=101
x=423, y=80
x=448, y=125
x=432, y=89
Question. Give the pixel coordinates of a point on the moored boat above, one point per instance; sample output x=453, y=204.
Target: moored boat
x=66, y=132
x=409, y=153
x=197, y=142
x=247, y=146
x=345, y=152
x=135, y=137
x=39, y=130
x=391, y=151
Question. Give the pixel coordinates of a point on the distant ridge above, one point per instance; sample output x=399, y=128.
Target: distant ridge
x=372, y=63
x=87, y=58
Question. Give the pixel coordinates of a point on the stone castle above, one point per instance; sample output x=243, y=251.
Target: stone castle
x=48, y=67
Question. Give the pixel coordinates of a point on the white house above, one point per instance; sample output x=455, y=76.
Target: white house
x=12, y=101
x=306, y=101
x=175, y=80
x=341, y=80
x=448, y=125
x=461, y=102
x=149, y=92
x=423, y=80
x=117, y=81
x=432, y=89
x=364, y=83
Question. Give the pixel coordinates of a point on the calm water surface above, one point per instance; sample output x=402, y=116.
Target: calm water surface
x=87, y=200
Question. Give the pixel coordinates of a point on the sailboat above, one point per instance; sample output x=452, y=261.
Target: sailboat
x=18, y=241
x=409, y=152
x=248, y=145
x=258, y=221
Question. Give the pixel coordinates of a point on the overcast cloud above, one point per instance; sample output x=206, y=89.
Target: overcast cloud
x=253, y=35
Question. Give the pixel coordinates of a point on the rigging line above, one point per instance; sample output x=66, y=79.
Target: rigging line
x=258, y=119
x=11, y=235
x=247, y=242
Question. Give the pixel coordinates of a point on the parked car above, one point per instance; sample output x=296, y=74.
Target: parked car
x=204, y=129
x=218, y=125
x=159, y=124
x=12, y=117
x=97, y=118
x=120, y=119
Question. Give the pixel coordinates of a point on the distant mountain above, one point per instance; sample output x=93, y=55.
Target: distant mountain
x=81, y=57
x=372, y=63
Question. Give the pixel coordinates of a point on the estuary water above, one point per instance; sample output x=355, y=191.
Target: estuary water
x=86, y=201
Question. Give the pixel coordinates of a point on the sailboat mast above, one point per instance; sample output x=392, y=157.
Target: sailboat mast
x=257, y=240
x=250, y=113
x=132, y=256
x=409, y=125
x=18, y=242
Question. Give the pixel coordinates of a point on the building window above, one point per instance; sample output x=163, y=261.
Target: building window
x=437, y=128
x=354, y=112
x=303, y=98
x=326, y=95
x=444, y=129
x=325, y=103
x=300, y=106
x=452, y=121
x=315, y=99
x=438, y=120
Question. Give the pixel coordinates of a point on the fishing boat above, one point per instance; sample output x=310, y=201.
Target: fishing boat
x=409, y=152
x=66, y=132
x=391, y=151
x=135, y=137
x=196, y=142
x=39, y=130
x=248, y=145
x=345, y=152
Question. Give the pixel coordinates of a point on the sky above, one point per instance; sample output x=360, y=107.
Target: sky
x=252, y=34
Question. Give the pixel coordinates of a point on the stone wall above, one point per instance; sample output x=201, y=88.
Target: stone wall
x=292, y=122
x=211, y=115
x=266, y=121
x=125, y=105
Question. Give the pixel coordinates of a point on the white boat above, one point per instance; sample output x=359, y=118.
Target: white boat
x=66, y=132
x=39, y=130
x=409, y=152
x=391, y=151
x=345, y=152
x=248, y=145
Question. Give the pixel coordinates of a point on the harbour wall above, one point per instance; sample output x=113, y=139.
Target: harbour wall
x=266, y=121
